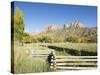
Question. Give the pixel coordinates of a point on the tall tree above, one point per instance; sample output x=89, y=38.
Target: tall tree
x=18, y=24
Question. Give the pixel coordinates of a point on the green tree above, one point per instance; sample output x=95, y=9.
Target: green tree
x=18, y=24
x=45, y=38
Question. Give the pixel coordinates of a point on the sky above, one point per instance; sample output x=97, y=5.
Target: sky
x=39, y=15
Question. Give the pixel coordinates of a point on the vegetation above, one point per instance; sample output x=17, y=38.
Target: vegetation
x=18, y=24
x=78, y=46
x=80, y=39
x=24, y=63
x=26, y=38
x=64, y=48
x=45, y=38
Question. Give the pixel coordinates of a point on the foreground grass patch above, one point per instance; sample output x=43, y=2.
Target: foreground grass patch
x=25, y=64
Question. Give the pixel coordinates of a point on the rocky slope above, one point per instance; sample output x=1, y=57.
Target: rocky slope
x=74, y=28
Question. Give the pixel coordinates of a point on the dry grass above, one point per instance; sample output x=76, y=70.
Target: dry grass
x=25, y=64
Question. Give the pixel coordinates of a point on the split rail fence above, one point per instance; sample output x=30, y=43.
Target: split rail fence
x=66, y=62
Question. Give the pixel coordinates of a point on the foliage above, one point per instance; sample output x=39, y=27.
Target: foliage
x=45, y=38
x=35, y=39
x=72, y=39
x=18, y=25
x=26, y=38
x=80, y=39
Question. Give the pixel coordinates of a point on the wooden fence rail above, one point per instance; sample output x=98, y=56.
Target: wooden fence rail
x=74, y=62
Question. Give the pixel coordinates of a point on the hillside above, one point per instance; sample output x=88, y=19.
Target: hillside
x=75, y=28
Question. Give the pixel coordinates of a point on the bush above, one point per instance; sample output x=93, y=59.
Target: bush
x=43, y=38
x=26, y=38
x=80, y=39
x=72, y=39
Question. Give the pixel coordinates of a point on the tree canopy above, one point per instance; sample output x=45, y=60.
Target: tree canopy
x=18, y=24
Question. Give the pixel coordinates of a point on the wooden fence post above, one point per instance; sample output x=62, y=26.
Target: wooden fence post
x=54, y=60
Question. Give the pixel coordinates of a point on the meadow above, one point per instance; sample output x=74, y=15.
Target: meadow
x=73, y=48
x=24, y=63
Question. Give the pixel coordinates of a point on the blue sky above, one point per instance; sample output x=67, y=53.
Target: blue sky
x=39, y=15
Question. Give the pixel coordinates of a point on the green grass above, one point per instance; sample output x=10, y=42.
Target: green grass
x=78, y=48
x=24, y=63
x=91, y=47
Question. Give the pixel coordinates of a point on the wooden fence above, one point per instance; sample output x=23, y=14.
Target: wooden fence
x=73, y=62
x=41, y=53
x=66, y=62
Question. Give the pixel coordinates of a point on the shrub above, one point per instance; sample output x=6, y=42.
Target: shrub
x=26, y=38
x=45, y=38
x=72, y=39
x=81, y=39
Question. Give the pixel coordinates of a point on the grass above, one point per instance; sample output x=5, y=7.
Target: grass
x=35, y=46
x=73, y=48
x=26, y=64
x=91, y=47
